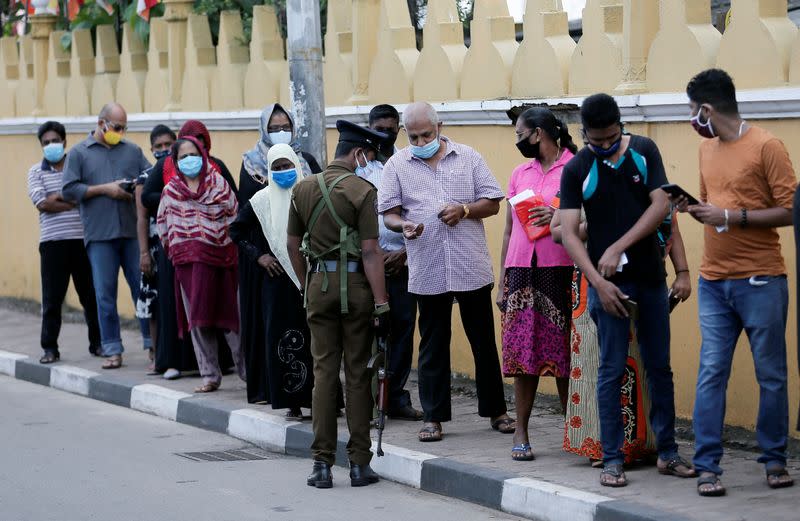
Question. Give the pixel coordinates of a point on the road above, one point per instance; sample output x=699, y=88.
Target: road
x=68, y=458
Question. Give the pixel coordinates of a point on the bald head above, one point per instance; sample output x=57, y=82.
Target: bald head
x=112, y=117
x=420, y=112
x=113, y=111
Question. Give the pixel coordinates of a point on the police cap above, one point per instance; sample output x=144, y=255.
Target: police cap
x=362, y=136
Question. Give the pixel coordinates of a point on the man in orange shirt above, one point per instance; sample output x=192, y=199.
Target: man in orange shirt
x=747, y=184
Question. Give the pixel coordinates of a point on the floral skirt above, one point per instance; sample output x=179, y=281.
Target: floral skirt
x=582, y=435
x=537, y=312
x=146, y=304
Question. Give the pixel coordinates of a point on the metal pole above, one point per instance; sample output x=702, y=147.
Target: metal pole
x=304, y=50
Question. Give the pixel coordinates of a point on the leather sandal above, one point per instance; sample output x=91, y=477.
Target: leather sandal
x=505, y=425
x=774, y=475
x=113, y=362
x=432, y=432
x=50, y=356
x=710, y=479
x=672, y=468
x=613, y=476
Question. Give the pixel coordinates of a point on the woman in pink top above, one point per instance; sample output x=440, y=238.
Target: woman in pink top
x=536, y=273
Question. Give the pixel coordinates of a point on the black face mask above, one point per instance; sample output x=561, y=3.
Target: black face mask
x=391, y=139
x=158, y=154
x=528, y=149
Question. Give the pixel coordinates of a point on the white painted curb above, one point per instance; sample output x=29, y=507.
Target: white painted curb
x=544, y=501
x=8, y=362
x=268, y=431
x=400, y=464
x=71, y=379
x=156, y=400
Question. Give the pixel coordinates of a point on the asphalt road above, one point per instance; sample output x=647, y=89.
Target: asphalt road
x=65, y=458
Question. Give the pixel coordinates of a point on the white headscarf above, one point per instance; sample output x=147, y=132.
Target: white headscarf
x=271, y=206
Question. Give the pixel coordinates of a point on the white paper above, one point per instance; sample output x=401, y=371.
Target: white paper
x=525, y=194
x=721, y=229
x=623, y=260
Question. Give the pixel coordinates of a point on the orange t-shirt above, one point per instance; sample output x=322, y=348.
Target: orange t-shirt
x=753, y=172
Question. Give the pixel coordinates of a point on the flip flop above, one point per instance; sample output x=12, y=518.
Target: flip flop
x=49, y=357
x=774, y=476
x=671, y=468
x=207, y=388
x=614, y=470
x=522, y=452
x=505, y=425
x=430, y=433
x=710, y=479
x=113, y=362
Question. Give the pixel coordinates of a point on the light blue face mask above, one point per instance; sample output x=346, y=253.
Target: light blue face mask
x=54, y=152
x=362, y=171
x=190, y=166
x=426, y=151
x=285, y=178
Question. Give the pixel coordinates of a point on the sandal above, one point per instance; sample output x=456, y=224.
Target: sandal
x=613, y=476
x=505, y=425
x=522, y=452
x=774, y=476
x=113, y=362
x=207, y=388
x=708, y=478
x=430, y=432
x=49, y=357
x=673, y=467
x=294, y=414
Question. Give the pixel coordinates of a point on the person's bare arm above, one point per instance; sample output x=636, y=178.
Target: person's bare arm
x=393, y=220
x=647, y=224
x=142, y=233
x=372, y=257
x=610, y=295
x=298, y=261
x=555, y=229
x=682, y=287
x=55, y=204
x=504, y=252
x=480, y=209
x=714, y=216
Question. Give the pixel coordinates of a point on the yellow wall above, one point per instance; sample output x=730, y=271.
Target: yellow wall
x=678, y=143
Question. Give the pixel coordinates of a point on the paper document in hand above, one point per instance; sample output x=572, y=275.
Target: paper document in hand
x=523, y=203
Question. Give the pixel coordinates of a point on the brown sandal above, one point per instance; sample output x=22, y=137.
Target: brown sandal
x=505, y=425
x=113, y=362
x=673, y=468
x=432, y=432
x=207, y=388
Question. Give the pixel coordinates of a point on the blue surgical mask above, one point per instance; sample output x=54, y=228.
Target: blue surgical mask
x=54, y=152
x=190, y=166
x=362, y=171
x=606, y=152
x=160, y=154
x=280, y=138
x=426, y=151
x=285, y=178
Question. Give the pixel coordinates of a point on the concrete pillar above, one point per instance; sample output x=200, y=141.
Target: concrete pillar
x=686, y=31
x=176, y=15
x=438, y=73
x=133, y=71
x=487, y=64
x=541, y=65
x=227, y=82
x=596, y=64
x=200, y=61
x=26, y=89
x=58, y=65
x=392, y=73
x=9, y=76
x=104, y=86
x=267, y=67
x=82, y=67
x=41, y=27
x=640, y=26
x=756, y=47
x=337, y=70
x=156, y=82
x=365, y=43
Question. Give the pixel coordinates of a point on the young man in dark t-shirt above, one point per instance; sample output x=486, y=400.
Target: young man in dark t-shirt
x=616, y=178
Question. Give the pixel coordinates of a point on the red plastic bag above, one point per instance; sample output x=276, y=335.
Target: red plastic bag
x=523, y=203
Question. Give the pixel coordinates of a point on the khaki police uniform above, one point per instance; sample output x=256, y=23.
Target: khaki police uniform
x=340, y=327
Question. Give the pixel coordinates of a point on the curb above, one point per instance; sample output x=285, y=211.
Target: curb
x=506, y=491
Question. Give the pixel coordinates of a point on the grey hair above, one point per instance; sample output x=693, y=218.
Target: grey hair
x=420, y=109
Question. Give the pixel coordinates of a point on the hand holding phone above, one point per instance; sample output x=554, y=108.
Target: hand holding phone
x=676, y=191
x=632, y=307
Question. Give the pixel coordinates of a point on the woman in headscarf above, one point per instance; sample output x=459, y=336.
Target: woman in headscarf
x=174, y=354
x=276, y=127
x=194, y=216
x=289, y=375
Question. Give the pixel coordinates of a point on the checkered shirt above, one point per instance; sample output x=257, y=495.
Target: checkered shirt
x=444, y=258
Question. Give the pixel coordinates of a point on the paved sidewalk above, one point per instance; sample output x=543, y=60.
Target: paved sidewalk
x=471, y=456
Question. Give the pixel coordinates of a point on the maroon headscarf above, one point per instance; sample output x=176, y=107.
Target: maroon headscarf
x=191, y=129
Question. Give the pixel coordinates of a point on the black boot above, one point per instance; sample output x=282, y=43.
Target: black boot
x=321, y=476
x=362, y=475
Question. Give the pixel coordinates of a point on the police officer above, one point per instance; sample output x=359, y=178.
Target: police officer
x=332, y=222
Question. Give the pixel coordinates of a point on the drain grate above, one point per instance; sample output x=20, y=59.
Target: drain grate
x=227, y=455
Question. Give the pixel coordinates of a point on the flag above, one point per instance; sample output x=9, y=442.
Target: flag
x=73, y=7
x=108, y=8
x=143, y=8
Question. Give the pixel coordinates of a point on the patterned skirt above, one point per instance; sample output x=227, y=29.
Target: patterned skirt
x=582, y=434
x=146, y=304
x=536, y=316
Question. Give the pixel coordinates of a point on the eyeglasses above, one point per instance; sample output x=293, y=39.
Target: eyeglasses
x=116, y=127
x=279, y=128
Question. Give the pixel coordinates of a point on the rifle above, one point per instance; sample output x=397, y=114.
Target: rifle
x=382, y=400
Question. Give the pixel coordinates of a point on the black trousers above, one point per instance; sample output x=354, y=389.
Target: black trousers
x=403, y=314
x=61, y=260
x=477, y=316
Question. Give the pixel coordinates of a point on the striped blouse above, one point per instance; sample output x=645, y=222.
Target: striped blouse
x=43, y=180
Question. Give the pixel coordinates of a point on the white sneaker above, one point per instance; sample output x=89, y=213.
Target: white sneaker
x=172, y=374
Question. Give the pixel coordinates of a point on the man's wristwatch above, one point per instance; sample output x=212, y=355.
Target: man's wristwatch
x=466, y=211
x=380, y=309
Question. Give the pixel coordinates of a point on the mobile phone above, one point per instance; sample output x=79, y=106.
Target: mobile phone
x=673, y=301
x=128, y=186
x=633, y=309
x=675, y=191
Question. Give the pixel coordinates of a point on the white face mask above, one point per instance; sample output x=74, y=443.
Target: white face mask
x=280, y=138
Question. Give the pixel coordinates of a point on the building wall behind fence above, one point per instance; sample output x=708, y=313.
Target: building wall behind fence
x=635, y=49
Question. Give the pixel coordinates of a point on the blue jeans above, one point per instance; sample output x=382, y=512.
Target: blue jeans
x=106, y=258
x=727, y=307
x=652, y=333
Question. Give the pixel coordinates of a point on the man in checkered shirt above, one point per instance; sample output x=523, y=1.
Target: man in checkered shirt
x=437, y=193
